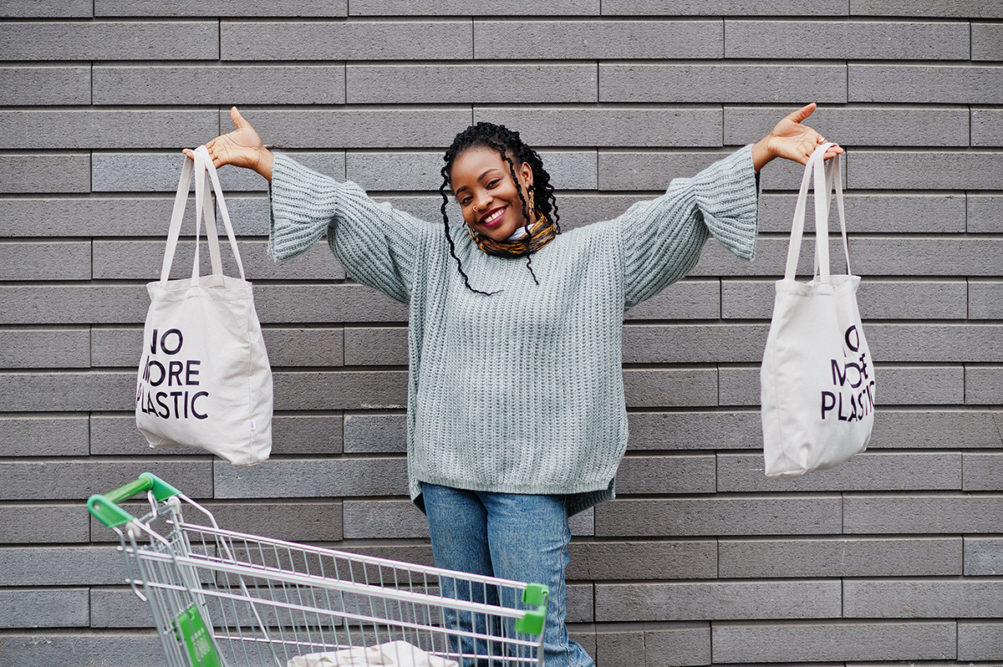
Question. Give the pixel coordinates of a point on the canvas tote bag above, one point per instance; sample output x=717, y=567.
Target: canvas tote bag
x=204, y=379
x=817, y=377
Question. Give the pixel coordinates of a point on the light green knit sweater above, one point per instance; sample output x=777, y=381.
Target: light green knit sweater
x=521, y=391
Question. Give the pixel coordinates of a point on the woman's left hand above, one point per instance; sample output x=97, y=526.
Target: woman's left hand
x=792, y=140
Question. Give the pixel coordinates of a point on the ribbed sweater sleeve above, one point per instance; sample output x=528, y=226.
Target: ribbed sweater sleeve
x=662, y=238
x=376, y=243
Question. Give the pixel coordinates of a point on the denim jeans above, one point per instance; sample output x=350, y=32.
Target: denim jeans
x=512, y=536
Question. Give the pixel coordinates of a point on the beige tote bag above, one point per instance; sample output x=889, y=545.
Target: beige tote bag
x=204, y=379
x=817, y=377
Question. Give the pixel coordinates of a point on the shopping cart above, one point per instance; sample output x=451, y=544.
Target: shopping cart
x=220, y=597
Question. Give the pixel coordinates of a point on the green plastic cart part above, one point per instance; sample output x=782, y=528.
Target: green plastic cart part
x=198, y=639
x=533, y=620
x=105, y=507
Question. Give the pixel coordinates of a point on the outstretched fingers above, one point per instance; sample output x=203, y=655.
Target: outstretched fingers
x=802, y=113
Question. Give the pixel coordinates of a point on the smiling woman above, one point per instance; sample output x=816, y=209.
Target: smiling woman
x=516, y=411
x=495, y=178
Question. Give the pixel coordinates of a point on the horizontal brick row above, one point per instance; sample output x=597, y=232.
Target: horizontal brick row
x=213, y=8
x=559, y=40
x=113, y=390
x=102, y=217
x=717, y=601
x=78, y=479
x=99, y=128
x=898, y=429
x=645, y=475
x=840, y=557
x=61, y=566
x=237, y=40
x=923, y=598
x=842, y=641
x=897, y=385
x=857, y=513
x=367, y=346
x=722, y=82
x=850, y=40
x=338, y=8
x=119, y=608
x=115, y=304
x=589, y=7
x=44, y=348
x=142, y=260
x=305, y=478
x=614, y=127
x=699, y=343
x=666, y=559
x=675, y=474
x=117, y=435
x=865, y=169
x=111, y=40
x=486, y=84
x=296, y=521
x=681, y=643
x=887, y=299
x=47, y=608
x=285, y=346
x=386, y=390
x=45, y=85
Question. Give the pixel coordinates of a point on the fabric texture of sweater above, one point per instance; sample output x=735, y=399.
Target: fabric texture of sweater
x=520, y=391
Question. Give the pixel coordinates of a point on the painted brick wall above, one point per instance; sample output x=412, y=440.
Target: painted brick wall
x=896, y=556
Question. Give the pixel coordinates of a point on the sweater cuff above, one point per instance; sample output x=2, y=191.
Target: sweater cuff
x=727, y=193
x=293, y=225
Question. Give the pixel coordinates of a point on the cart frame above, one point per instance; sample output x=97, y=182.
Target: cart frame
x=222, y=597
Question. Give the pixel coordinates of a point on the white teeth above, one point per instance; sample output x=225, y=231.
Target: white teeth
x=492, y=217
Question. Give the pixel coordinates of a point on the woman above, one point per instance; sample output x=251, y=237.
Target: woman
x=516, y=415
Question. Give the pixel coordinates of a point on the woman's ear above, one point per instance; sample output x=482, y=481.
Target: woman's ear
x=526, y=172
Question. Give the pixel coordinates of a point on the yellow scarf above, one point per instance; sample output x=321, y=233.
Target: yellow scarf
x=541, y=232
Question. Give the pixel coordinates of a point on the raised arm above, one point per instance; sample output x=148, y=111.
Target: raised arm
x=663, y=237
x=375, y=242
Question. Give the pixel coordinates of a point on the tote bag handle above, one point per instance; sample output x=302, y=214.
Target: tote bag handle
x=826, y=180
x=205, y=173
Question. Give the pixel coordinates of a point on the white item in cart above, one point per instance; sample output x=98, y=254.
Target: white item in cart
x=204, y=379
x=817, y=378
x=391, y=654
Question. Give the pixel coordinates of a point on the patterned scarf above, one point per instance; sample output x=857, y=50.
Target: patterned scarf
x=541, y=232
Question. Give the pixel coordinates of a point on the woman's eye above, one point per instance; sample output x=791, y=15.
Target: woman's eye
x=493, y=183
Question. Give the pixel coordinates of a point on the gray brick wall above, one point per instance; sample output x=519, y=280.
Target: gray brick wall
x=894, y=557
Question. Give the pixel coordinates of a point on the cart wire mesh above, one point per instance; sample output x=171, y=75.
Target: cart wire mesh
x=222, y=597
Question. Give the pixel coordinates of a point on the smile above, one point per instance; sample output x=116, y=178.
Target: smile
x=494, y=217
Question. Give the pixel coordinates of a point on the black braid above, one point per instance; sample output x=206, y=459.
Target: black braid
x=449, y=237
x=504, y=141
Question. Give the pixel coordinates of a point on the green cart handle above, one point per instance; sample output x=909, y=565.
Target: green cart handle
x=105, y=507
x=532, y=621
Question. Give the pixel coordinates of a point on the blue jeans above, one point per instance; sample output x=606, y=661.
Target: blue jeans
x=511, y=536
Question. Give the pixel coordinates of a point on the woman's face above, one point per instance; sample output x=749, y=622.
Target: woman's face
x=487, y=196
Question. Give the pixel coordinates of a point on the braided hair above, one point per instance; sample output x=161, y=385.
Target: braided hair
x=504, y=141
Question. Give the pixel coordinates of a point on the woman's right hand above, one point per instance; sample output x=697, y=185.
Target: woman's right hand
x=241, y=148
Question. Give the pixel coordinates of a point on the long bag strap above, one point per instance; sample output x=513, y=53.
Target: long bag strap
x=204, y=172
x=209, y=171
x=825, y=180
x=833, y=184
x=177, y=216
x=204, y=213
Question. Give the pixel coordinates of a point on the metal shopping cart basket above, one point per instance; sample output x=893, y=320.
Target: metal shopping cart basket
x=220, y=597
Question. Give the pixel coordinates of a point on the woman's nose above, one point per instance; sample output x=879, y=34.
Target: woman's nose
x=481, y=201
